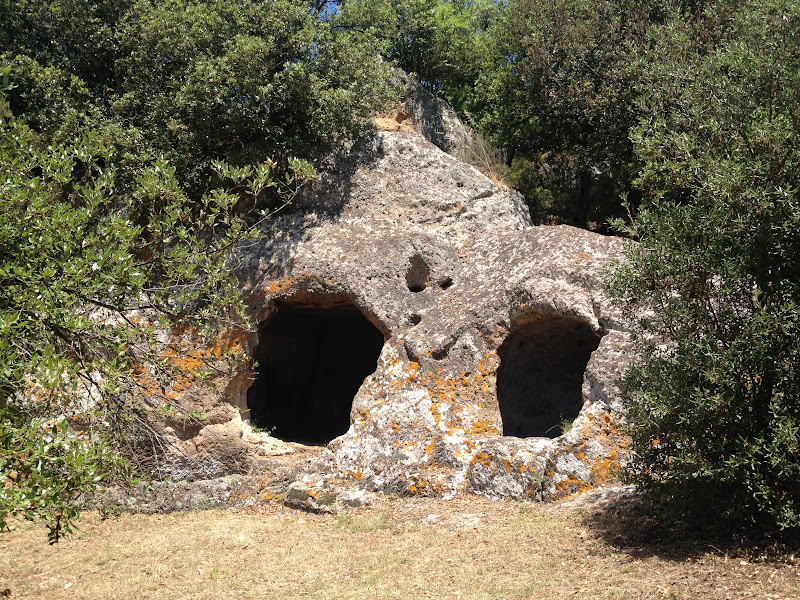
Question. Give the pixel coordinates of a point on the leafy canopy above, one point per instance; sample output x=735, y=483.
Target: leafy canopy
x=236, y=80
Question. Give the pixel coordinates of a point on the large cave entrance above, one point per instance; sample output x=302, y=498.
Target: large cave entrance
x=541, y=374
x=311, y=360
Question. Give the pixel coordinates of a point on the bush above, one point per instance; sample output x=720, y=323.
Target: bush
x=441, y=42
x=714, y=402
x=89, y=278
x=194, y=82
x=560, y=79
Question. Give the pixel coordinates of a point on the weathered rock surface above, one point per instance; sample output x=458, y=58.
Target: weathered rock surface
x=471, y=302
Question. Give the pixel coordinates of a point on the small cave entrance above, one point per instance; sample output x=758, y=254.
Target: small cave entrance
x=541, y=374
x=418, y=274
x=311, y=358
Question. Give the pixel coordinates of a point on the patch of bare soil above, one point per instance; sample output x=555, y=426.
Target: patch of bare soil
x=468, y=547
x=399, y=121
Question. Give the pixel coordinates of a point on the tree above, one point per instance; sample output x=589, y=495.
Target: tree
x=90, y=275
x=558, y=95
x=194, y=82
x=715, y=400
x=197, y=111
x=441, y=42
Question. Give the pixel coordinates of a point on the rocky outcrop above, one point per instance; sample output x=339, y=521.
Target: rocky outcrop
x=414, y=324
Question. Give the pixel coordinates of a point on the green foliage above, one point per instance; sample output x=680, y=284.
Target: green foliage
x=48, y=472
x=236, y=80
x=541, y=182
x=714, y=411
x=442, y=42
x=561, y=82
x=90, y=273
x=197, y=110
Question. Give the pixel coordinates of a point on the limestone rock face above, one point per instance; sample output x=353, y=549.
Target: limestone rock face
x=409, y=318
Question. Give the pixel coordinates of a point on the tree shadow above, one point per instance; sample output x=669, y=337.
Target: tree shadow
x=271, y=256
x=333, y=188
x=633, y=526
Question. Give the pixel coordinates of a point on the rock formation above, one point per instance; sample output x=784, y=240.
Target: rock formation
x=413, y=321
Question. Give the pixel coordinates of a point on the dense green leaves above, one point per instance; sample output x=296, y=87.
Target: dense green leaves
x=442, y=42
x=558, y=96
x=715, y=403
x=241, y=81
x=90, y=275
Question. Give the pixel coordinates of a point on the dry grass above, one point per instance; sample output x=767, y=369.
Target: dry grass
x=475, y=548
x=476, y=149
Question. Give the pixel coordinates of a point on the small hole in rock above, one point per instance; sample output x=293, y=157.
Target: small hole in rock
x=415, y=319
x=418, y=274
x=445, y=284
x=440, y=353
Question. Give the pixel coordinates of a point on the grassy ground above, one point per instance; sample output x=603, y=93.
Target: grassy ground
x=467, y=548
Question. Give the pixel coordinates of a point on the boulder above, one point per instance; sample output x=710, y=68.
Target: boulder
x=416, y=334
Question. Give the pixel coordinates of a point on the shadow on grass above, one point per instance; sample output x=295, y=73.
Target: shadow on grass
x=632, y=526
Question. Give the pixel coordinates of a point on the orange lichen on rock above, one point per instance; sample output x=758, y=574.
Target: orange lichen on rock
x=583, y=257
x=429, y=448
x=571, y=486
x=484, y=427
x=284, y=284
x=355, y=475
x=481, y=458
x=423, y=486
x=602, y=463
x=188, y=359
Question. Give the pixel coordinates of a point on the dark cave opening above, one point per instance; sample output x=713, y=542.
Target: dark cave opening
x=311, y=361
x=541, y=374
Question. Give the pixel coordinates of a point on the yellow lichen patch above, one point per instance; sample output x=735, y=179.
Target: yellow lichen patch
x=429, y=448
x=436, y=413
x=361, y=416
x=571, y=485
x=601, y=470
x=284, y=284
x=481, y=458
x=189, y=358
x=426, y=487
x=602, y=464
x=605, y=468
x=602, y=424
x=231, y=341
x=357, y=475
x=411, y=369
x=484, y=427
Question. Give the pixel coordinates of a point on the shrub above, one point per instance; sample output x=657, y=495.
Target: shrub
x=89, y=277
x=715, y=401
